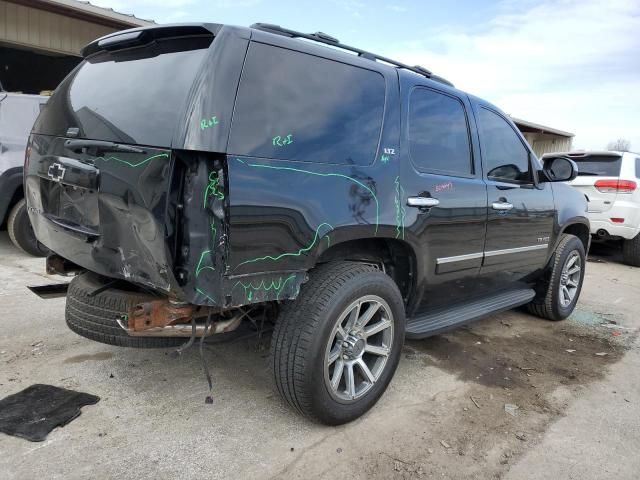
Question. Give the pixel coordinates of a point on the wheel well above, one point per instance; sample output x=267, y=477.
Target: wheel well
x=581, y=231
x=394, y=256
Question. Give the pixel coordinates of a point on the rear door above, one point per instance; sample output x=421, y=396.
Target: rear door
x=445, y=193
x=521, y=213
x=597, y=178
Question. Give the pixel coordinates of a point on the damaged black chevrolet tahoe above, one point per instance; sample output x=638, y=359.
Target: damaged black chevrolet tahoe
x=198, y=176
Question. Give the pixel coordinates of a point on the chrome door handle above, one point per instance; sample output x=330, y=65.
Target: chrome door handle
x=502, y=206
x=422, y=202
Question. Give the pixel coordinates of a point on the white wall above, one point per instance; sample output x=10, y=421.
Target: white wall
x=542, y=143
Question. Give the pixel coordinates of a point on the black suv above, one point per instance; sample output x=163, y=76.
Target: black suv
x=17, y=114
x=200, y=175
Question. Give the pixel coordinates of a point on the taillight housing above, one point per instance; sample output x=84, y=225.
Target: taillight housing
x=615, y=186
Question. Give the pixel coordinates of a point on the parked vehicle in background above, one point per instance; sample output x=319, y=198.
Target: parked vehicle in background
x=17, y=114
x=610, y=182
x=197, y=175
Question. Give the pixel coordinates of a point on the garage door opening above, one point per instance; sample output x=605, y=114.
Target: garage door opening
x=30, y=71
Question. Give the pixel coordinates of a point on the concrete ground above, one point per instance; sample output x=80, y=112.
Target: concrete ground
x=572, y=389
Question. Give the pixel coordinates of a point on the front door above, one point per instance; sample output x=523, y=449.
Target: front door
x=521, y=212
x=446, y=207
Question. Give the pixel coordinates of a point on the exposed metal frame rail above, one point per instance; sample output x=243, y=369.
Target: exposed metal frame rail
x=321, y=37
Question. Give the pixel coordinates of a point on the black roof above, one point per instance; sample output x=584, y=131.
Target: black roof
x=138, y=36
x=326, y=39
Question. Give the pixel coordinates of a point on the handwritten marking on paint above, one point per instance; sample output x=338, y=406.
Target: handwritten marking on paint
x=299, y=252
x=441, y=187
x=208, y=122
x=200, y=267
x=309, y=172
x=212, y=189
x=277, y=285
x=205, y=295
x=401, y=212
x=279, y=141
x=132, y=164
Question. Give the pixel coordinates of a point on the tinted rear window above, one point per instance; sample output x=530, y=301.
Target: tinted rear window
x=295, y=106
x=598, y=165
x=438, y=133
x=136, y=96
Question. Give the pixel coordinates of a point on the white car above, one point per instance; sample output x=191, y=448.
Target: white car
x=611, y=183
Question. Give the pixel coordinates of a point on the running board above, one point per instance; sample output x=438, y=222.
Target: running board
x=431, y=323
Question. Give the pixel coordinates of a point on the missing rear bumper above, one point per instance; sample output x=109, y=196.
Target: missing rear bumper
x=164, y=318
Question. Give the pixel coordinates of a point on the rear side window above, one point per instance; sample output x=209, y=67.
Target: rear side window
x=598, y=165
x=295, y=106
x=438, y=133
x=637, y=167
x=504, y=156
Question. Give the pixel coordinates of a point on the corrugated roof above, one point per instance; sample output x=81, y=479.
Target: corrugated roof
x=88, y=8
x=542, y=128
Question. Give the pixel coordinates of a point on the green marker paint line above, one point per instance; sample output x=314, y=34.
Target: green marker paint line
x=212, y=189
x=291, y=254
x=283, y=285
x=400, y=210
x=291, y=169
x=205, y=295
x=199, y=267
x=146, y=160
x=250, y=288
x=214, y=233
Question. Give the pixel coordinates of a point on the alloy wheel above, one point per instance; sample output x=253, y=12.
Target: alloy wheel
x=570, y=278
x=358, y=348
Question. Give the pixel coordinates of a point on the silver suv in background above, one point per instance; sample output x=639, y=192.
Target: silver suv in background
x=610, y=181
x=18, y=112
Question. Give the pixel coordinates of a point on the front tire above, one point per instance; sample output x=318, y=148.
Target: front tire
x=559, y=298
x=21, y=231
x=336, y=347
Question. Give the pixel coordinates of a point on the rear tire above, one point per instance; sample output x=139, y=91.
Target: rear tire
x=310, y=332
x=559, y=298
x=96, y=316
x=631, y=251
x=21, y=231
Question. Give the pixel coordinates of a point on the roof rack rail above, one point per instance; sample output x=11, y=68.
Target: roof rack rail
x=334, y=42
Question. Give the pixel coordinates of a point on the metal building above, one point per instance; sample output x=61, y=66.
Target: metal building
x=40, y=40
x=544, y=139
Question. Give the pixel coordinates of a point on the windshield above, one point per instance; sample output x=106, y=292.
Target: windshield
x=134, y=96
x=598, y=165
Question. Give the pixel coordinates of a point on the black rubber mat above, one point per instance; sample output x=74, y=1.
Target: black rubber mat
x=38, y=409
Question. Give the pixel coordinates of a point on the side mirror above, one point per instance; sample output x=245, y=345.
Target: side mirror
x=558, y=169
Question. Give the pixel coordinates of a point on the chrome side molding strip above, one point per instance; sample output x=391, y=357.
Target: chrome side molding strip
x=459, y=258
x=490, y=253
x=506, y=251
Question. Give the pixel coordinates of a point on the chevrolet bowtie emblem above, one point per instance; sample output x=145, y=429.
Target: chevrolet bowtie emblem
x=56, y=172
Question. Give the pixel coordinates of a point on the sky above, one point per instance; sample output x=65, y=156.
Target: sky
x=568, y=64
